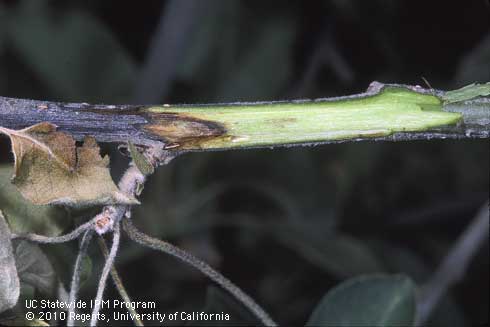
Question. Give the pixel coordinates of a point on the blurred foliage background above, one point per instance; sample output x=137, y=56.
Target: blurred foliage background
x=287, y=224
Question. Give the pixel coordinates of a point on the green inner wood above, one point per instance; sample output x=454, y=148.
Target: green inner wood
x=393, y=109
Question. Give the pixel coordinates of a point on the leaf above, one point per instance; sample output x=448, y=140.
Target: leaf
x=50, y=169
x=25, y=217
x=401, y=259
x=34, y=268
x=139, y=159
x=376, y=300
x=467, y=92
x=9, y=280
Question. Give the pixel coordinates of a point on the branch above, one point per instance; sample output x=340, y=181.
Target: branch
x=77, y=271
x=118, y=283
x=454, y=265
x=109, y=262
x=159, y=245
x=386, y=112
x=56, y=239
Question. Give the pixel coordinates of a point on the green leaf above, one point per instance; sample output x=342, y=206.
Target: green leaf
x=404, y=260
x=467, y=93
x=377, y=300
x=9, y=280
x=34, y=268
x=25, y=217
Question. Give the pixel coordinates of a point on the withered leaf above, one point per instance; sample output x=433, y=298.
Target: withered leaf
x=51, y=169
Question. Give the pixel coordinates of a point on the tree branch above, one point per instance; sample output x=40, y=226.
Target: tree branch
x=386, y=112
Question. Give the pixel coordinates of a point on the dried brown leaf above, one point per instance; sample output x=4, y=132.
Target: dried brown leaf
x=51, y=169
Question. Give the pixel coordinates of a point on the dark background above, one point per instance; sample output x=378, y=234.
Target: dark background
x=286, y=225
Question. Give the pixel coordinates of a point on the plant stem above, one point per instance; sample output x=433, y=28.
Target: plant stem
x=386, y=112
x=159, y=245
x=105, y=273
x=56, y=239
x=118, y=283
x=75, y=281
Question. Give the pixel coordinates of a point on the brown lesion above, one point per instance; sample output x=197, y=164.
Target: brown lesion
x=182, y=131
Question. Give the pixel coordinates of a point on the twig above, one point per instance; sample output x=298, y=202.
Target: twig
x=105, y=273
x=56, y=239
x=203, y=267
x=118, y=283
x=75, y=282
x=454, y=265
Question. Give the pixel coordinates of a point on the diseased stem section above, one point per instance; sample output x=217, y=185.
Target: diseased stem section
x=385, y=112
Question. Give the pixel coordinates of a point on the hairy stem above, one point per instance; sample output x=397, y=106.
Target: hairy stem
x=75, y=282
x=156, y=244
x=56, y=239
x=105, y=273
x=118, y=282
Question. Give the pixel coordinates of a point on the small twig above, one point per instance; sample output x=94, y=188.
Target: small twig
x=75, y=282
x=156, y=244
x=105, y=273
x=56, y=239
x=454, y=265
x=118, y=282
